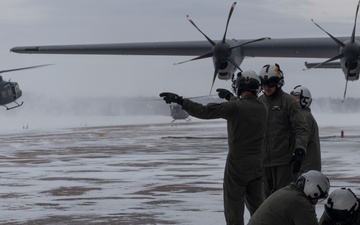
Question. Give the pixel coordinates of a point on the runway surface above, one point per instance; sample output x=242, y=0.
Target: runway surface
x=135, y=174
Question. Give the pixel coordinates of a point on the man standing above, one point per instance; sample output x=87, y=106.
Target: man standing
x=312, y=159
x=286, y=134
x=294, y=204
x=246, y=124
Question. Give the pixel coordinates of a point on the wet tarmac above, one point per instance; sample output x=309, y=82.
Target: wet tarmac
x=132, y=174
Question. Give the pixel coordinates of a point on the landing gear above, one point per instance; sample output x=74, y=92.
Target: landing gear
x=13, y=107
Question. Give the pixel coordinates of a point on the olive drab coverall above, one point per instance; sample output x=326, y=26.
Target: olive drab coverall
x=289, y=205
x=353, y=220
x=246, y=124
x=312, y=159
x=286, y=131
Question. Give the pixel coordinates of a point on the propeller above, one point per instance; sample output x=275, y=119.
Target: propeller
x=221, y=51
x=348, y=51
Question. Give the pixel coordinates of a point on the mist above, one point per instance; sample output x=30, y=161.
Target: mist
x=35, y=104
x=41, y=111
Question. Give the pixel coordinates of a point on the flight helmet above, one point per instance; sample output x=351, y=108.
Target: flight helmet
x=305, y=96
x=247, y=81
x=341, y=204
x=271, y=76
x=314, y=184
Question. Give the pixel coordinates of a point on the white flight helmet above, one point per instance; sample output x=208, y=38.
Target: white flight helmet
x=314, y=184
x=305, y=96
x=247, y=81
x=341, y=204
x=271, y=75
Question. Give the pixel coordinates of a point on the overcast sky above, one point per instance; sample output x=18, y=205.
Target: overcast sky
x=52, y=22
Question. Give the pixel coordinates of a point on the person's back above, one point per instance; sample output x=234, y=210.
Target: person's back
x=246, y=127
x=293, y=204
x=246, y=124
x=312, y=159
x=285, y=206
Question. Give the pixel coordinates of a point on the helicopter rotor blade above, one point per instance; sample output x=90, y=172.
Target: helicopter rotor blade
x=24, y=68
x=203, y=96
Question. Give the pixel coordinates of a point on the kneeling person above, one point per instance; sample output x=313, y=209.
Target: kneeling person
x=342, y=207
x=294, y=204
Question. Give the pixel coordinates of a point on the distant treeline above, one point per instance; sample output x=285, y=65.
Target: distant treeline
x=108, y=106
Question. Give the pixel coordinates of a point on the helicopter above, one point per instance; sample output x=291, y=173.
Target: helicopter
x=10, y=91
x=177, y=113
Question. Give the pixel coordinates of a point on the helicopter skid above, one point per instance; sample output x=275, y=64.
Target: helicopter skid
x=13, y=107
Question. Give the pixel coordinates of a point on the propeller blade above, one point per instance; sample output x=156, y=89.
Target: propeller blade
x=353, y=33
x=24, y=68
x=329, y=60
x=340, y=43
x=347, y=80
x=207, y=55
x=234, y=64
x=345, y=90
x=192, y=22
x=228, y=20
x=215, y=73
x=252, y=41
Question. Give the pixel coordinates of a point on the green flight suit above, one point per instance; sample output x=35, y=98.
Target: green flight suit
x=286, y=131
x=286, y=206
x=353, y=220
x=312, y=159
x=246, y=124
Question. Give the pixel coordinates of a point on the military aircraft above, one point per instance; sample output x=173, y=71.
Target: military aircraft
x=177, y=113
x=10, y=91
x=228, y=54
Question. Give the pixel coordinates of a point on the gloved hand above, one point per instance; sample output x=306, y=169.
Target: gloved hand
x=224, y=94
x=171, y=97
x=296, y=160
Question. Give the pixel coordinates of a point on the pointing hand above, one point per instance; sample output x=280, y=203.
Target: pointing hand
x=171, y=97
x=224, y=94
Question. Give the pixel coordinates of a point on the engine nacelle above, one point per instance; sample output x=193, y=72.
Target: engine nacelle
x=353, y=65
x=226, y=68
x=226, y=71
x=350, y=63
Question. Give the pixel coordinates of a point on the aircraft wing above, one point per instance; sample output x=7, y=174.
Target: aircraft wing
x=285, y=47
x=190, y=48
x=228, y=54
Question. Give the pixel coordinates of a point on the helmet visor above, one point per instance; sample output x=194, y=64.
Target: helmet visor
x=269, y=84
